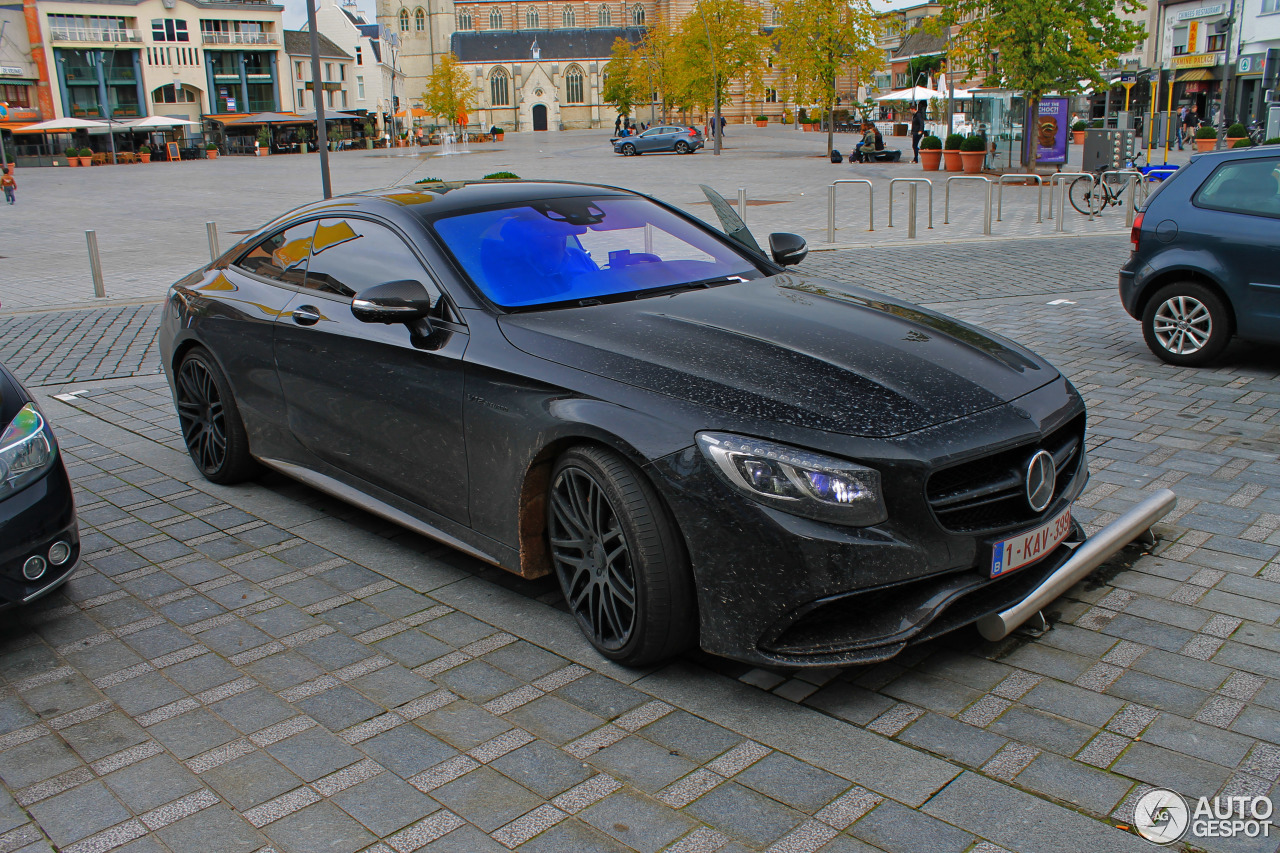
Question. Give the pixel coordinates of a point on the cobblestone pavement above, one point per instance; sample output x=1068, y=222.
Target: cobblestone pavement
x=75, y=346
x=267, y=667
x=150, y=219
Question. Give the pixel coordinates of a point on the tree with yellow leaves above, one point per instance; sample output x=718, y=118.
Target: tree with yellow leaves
x=721, y=42
x=624, y=80
x=449, y=94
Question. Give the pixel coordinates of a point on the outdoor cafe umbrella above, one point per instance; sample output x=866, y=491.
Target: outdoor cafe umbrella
x=61, y=125
x=915, y=93
x=158, y=123
x=328, y=116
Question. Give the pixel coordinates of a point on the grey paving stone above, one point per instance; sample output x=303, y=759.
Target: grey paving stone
x=144, y=693
x=573, y=835
x=334, y=651
x=1076, y=703
x=392, y=686
x=464, y=839
x=1158, y=693
x=741, y=813
x=554, y=719
x=522, y=659
x=339, y=708
x=36, y=761
x=313, y=753
x=407, y=750
x=1257, y=722
x=97, y=661
x=477, y=681
x=1074, y=782
x=385, y=804
x=964, y=743
x=1198, y=740
x=850, y=702
x=283, y=670
x=463, y=725
x=641, y=764
x=188, y=611
x=412, y=648
x=602, y=696
x=192, y=733
x=202, y=673
x=486, y=798
x=976, y=672
x=1162, y=768
x=192, y=834
x=1183, y=669
x=253, y=710
x=1055, y=663
x=799, y=785
x=542, y=769
x=282, y=621
x=355, y=618
x=151, y=783
x=251, y=780
x=690, y=736
x=898, y=829
x=638, y=822
x=1045, y=731
x=457, y=628
x=233, y=638
x=936, y=694
x=78, y=813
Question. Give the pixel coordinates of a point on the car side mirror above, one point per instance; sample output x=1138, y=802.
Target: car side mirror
x=392, y=302
x=787, y=249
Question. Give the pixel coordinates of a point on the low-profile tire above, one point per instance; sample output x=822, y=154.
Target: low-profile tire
x=619, y=558
x=682, y=147
x=628, y=150
x=1186, y=324
x=210, y=421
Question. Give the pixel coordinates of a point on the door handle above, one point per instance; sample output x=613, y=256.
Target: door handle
x=306, y=315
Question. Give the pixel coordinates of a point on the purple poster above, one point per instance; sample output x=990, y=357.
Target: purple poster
x=1048, y=131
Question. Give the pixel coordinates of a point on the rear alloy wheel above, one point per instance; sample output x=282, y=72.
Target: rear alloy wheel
x=210, y=421
x=1186, y=324
x=628, y=150
x=619, y=559
x=682, y=147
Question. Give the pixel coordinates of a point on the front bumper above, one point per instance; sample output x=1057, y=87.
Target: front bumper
x=30, y=522
x=780, y=590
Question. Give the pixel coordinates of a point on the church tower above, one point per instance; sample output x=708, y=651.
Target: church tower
x=423, y=28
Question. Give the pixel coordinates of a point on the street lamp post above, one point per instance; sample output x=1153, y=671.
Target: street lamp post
x=1226, y=74
x=322, y=129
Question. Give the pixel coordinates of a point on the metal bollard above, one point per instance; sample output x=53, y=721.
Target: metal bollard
x=1131, y=176
x=911, y=181
x=212, y=229
x=1003, y=179
x=1058, y=181
x=742, y=203
x=1131, y=202
x=95, y=265
x=831, y=205
x=911, y=212
x=946, y=205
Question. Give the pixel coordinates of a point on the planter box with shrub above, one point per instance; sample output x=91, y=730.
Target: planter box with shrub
x=930, y=153
x=1206, y=138
x=951, y=153
x=973, y=151
x=762, y=121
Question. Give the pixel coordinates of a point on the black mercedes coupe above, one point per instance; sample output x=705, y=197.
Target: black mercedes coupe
x=704, y=445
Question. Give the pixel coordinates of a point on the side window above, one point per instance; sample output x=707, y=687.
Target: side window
x=349, y=255
x=282, y=256
x=1243, y=186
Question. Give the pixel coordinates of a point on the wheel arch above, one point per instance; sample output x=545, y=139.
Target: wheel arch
x=1166, y=277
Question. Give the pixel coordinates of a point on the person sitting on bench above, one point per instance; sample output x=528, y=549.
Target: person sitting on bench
x=870, y=138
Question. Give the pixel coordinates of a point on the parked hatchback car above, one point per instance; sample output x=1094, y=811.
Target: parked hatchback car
x=39, y=537
x=1206, y=257
x=703, y=445
x=681, y=140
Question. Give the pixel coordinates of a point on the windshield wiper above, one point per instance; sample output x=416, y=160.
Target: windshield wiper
x=701, y=284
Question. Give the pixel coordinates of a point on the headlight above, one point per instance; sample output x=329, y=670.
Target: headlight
x=26, y=450
x=797, y=481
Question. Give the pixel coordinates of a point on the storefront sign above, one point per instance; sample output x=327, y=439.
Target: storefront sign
x=1048, y=130
x=1193, y=33
x=1195, y=60
x=11, y=71
x=1251, y=63
x=1204, y=12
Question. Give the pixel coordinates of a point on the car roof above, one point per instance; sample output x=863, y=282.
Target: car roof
x=1238, y=153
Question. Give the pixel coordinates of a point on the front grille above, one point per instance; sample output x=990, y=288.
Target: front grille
x=989, y=494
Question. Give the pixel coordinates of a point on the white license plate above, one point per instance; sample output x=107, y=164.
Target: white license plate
x=1025, y=548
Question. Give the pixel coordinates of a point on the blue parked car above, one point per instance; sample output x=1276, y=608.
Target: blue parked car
x=1206, y=257
x=681, y=140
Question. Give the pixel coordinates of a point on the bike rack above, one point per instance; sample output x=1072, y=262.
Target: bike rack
x=924, y=181
x=1132, y=177
x=986, y=214
x=831, y=205
x=1058, y=180
x=1000, y=182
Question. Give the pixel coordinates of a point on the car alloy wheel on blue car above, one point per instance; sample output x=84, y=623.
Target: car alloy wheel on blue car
x=702, y=445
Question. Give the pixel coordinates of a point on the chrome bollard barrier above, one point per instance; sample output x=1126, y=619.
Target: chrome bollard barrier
x=1003, y=179
x=211, y=228
x=1059, y=180
x=95, y=265
x=911, y=211
x=742, y=203
x=986, y=214
x=924, y=181
x=1132, y=176
x=831, y=205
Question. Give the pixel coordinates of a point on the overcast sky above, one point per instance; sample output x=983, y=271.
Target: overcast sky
x=295, y=11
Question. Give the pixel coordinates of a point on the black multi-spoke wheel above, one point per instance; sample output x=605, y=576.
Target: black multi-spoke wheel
x=210, y=421
x=618, y=558
x=1186, y=324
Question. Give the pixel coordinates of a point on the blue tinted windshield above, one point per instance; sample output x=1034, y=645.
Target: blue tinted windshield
x=567, y=249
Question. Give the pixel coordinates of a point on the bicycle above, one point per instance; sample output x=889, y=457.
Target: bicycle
x=1092, y=195
x=1257, y=132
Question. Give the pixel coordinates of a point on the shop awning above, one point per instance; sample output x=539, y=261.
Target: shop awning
x=14, y=125
x=1197, y=75
x=417, y=113
x=62, y=125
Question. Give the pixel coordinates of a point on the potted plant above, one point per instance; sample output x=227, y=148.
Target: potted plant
x=762, y=121
x=86, y=156
x=211, y=150
x=497, y=133
x=973, y=150
x=1077, y=133
x=930, y=153
x=144, y=153
x=73, y=157
x=803, y=120
x=1206, y=138
x=1235, y=133
x=264, y=141
x=951, y=153
x=1243, y=143
x=1097, y=122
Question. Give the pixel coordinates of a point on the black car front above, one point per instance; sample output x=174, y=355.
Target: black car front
x=39, y=537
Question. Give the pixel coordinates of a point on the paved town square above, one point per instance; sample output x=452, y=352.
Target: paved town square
x=262, y=668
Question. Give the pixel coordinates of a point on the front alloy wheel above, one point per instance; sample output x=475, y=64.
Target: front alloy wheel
x=628, y=150
x=210, y=421
x=619, y=559
x=1186, y=324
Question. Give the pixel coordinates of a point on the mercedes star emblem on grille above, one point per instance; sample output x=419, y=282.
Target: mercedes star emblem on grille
x=1041, y=479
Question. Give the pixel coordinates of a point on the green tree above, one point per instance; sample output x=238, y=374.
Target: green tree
x=624, y=78
x=1037, y=47
x=449, y=94
x=659, y=52
x=821, y=39
x=721, y=42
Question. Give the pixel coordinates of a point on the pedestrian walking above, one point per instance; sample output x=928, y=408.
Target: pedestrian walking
x=1182, y=125
x=617, y=126
x=917, y=131
x=722, y=124
x=1189, y=124
x=10, y=186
